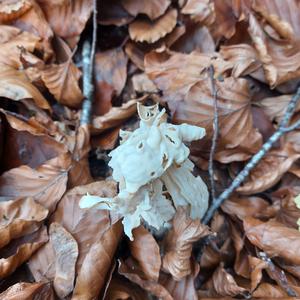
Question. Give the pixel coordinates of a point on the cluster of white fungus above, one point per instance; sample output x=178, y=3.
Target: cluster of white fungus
x=151, y=166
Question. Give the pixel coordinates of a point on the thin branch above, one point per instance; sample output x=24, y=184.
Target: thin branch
x=279, y=276
x=88, y=58
x=215, y=133
x=240, y=178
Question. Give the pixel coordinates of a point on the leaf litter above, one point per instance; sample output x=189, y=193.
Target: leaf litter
x=147, y=52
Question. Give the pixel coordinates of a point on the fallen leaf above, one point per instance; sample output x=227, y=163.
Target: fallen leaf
x=62, y=82
x=269, y=170
x=268, y=290
x=224, y=283
x=68, y=20
x=131, y=271
x=96, y=264
x=273, y=237
x=45, y=184
x=26, y=290
x=19, y=217
x=142, y=244
x=153, y=9
x=257, y=266
x=86, y=226
x=12, y=10
x=15, y=85
x=107, y=140
x=66, y=253
x=142, y=84
x=179, y=242
x=114, y=117
x=143, y=30
x=201, y=11
x=20, y=250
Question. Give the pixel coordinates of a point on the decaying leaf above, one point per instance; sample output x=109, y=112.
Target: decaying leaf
x=142, y=244
x=179, y=243
x=66, y=253
x=143, y=30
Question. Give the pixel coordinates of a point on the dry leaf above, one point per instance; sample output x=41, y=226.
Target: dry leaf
x=142, y=244
x=12, y=10
x=19, y=217
x=143, y=30
x=68, y=20
x=131, y=271
x=16, y=86
x=224, y=283
x=45, y=184
x=92, y=275
x=62, y=82
x=274, y=238
x=86, y=226
x=21, y=250
x=269, y=170
x=257, y=266
x=267, y=290
x=114, y=117
x=153, y=9
x=66, y=253
x=201, y=11
x=28, y=291
x=179, y=242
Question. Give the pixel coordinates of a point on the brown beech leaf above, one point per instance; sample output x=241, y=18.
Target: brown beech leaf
x=131, y=270
x=28, y=291
x=19, y=217
x=179, y=242
x=243, y=207
x=34, y=21
x=243, y=57
x=142, y=84
x=66, y=253
x=280, y=63
x=224, y=283
x=68, y=20
x=142, y=244
x=107, y=140
x=10, y=11
x=269, y=170
x=85, y=225
x=45, y=184
x=189, y=97
x=276, y=112
x=62, y=80
x=121, y=288
x=201, y=11
x=20, y=250
x=144, y=30
x=111, y=68
x=257, y=266
x=282, y=16
x=115, y=117
x=274, y=238
x=153, y=9
x=36, y=144
x=92, y=275
x=269, y=291
x=16, y=86
x=12, y=39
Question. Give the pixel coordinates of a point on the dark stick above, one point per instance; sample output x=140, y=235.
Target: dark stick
x=215, y=134
x=255, y=159
x=88, y=58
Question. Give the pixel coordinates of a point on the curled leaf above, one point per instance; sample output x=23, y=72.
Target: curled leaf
x=13, y=9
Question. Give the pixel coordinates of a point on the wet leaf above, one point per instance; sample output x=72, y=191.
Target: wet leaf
x=142, y=244
x=143, y=30
x=179, y=242
x=66, y=253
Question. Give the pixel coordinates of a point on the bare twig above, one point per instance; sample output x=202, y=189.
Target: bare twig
x=277, y=275
x=215, y=134
x=88, y=57
x=256, y=158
